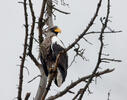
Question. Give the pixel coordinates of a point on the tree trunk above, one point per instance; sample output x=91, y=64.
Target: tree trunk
x=43, y=80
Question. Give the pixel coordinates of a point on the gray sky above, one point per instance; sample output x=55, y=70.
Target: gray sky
x=12, y=37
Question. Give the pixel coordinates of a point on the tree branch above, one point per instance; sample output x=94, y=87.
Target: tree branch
x=32, y=27
x=86, y=29
x=72, y=85
x=32, y=35
x=34, y=60
x=61, y=11
x=27, y=96
x=96, y=32
x=40, y=24
x=24, y=53
x=107, y=59
x=104, y=25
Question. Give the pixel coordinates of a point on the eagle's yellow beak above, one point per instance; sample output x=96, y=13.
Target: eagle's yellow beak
x=58, y=30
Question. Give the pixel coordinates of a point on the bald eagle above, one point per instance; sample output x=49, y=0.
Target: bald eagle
x=49, y=49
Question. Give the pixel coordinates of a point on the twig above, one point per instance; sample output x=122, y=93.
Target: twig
x=73, y=84
x=87, y=41
x=32, y=27
x=109, y=94
x=34, y=60
x=24, y=53
x=107, y=59
x=61, y=11
x=21, y=2
x=34, y=78
x=71, y=92
x=96, y=32
x=73, y=60
x=63, y=3
x=104, y=25
x=27, y=70
x=27, y=96
x=79, y=92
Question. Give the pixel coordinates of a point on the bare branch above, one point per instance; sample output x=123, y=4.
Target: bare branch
x=87, y=28
x=109, y=94
x=87, y=41
x=107, y=59
x=71, y=92
x=40, y=24
x=63, y=3
x=104, y=25
x=27, y=96
x=34, y=78
x=73, y=84
x=27, y=70
x=24, y=53
x=72, y=60
x=32, y=26
x=61, y=11
x=34, y=60
x=79, y=92
x=96, y=32
x=32, y=35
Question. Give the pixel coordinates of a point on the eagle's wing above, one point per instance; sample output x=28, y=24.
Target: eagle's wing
x=57, y=46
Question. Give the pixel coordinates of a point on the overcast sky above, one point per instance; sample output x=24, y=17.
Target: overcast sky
x=12, y=37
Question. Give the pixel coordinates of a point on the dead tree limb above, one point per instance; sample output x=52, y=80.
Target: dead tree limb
x=32, y=35
x=63, y=12
x=104, y=25
x=87, y=28
x=32, y=27
x=24, y=53
x=40, y=21
x=73, y=84
x=27, y=96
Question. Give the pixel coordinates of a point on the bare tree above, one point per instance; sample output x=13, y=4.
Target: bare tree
x=46, y=20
